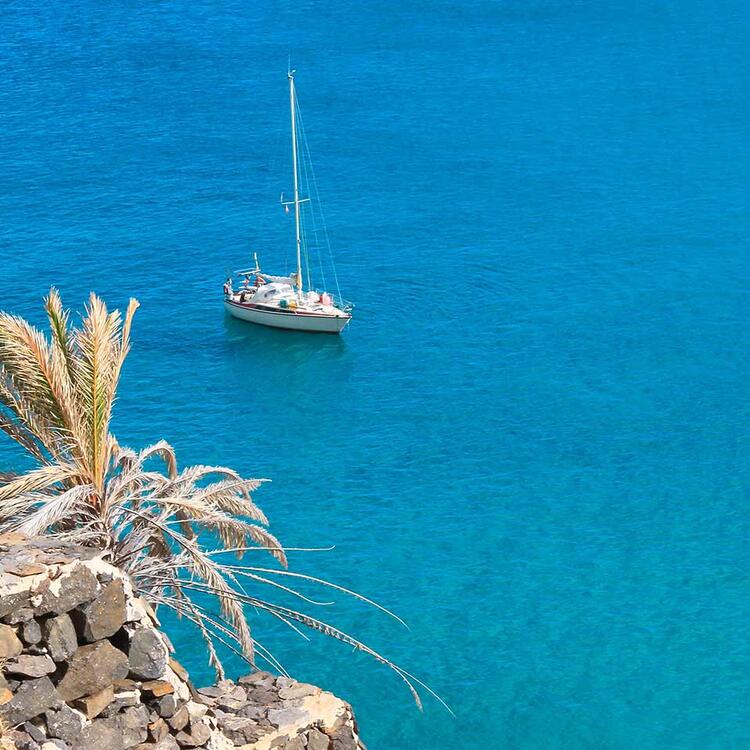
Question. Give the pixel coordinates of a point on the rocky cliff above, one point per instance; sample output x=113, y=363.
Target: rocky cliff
x=86, y=665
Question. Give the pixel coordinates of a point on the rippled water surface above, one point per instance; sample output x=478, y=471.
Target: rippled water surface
x=532, y=440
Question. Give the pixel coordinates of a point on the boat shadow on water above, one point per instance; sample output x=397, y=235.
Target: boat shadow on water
x=263, y=342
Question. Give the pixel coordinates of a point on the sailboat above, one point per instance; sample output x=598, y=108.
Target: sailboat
x=283, y=301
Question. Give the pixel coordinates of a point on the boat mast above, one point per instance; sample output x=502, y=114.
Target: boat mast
x=292, y=97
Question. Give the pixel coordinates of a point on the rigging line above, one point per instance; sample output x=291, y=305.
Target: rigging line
x=306, y=161
x=305, y=254
x=303, y=246
x=308, y=170
x=316, y=243
x=298, y=208
x=320, y=206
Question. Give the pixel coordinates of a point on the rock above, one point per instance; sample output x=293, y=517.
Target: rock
x=158, y=729
x=232, y=704
x=167, y=706
x=61, y=638
x=105, y=615
x=316, y=740
x=93, y=705
x=66, y=723
x=30, y=666
x=125, y=699
x=237, y=693
x=101, y=734
x=262, y=697
x=179, y=670
x=168, y=743
x=10, y=645
x=344, y=739
x=300, y=690
x=22, y=741
x=158, y=688
x=133, y=724
x=196, y=710
x=281, y=717
x=31, y=699
x=240, y=730
x=254, y=712
x=211, y=692
x=148, y=654
x=12, y=538
x=31, y=632
x=34, y=732
x=5, y=692
x=13, y=602
x=92, y=668
x=179, y=719
x=129, y=697
x=126, y=684
x=198, y=735
x=135, y=611
x=79, y=625
x=24, y=569
x=256, y=678
x=70, y=590
x=20, y=615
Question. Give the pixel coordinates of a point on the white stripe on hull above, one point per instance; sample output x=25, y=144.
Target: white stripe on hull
x=289, y=320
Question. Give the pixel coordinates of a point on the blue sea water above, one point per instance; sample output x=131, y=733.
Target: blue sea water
x=532, y=442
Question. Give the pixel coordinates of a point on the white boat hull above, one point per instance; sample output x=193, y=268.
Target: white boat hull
x=290, y=319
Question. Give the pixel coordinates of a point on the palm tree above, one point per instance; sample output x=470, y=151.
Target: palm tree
x=56, y=400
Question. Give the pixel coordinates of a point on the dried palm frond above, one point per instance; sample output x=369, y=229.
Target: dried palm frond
x=56, y=400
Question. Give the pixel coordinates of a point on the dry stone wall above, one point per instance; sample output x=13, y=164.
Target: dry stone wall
x=84, y=665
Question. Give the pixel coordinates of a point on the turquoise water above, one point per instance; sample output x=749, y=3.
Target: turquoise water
x=532, y=440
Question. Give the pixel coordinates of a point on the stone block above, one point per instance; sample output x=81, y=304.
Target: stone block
x=32, y=698
x=10, y=644
x=28, y=665
x=13, y=602
x=179, y=719
x=133, y=725
x=31, y=632
x=167, y=705
x=92, y=668
x=5, y=692
x=70, y=590
x=92, y=705
x=158, y=729
x=148, y=656
x=65, y=723
x=240, y=730
x=317, y=740
x=198, y=735
x=105, y=615
x=158, y=688
x=101, y=734
x=60, y=636
x=179, y=670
